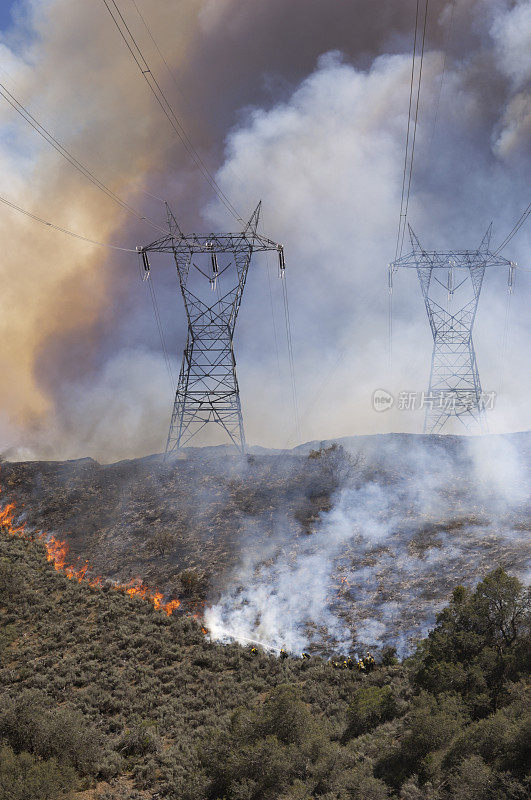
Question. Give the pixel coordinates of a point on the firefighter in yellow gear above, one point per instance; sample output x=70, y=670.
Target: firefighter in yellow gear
x=369, y=662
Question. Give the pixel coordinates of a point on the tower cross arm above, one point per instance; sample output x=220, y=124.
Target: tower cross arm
x=458, y=259
x=263, y=244
x=209, y=243
x=163, y=245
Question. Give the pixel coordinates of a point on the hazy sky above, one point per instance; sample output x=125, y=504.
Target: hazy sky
x=5, y=13
x=303, y=105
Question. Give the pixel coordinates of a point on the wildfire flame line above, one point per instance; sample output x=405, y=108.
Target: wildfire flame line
x=57, y=554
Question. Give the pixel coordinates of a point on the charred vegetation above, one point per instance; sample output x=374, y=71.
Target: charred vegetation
x=185, y=526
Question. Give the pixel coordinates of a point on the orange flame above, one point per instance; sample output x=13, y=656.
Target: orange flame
x=57, y=554
x=7, y=518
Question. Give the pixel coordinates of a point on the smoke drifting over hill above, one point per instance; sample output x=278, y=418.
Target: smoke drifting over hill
x=321, y=550
x=302, y=105
x=381, y=561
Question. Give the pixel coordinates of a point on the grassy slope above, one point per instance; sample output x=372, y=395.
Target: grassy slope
x=116, y=700
x=127, y=667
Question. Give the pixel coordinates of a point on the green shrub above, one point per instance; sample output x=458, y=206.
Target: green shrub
x=472, y=780
x=481, y=641
x=430, y=725
x=266, y=749
x=27, y=724
x=371, y=706
x=137, y=741
x=11, y=582
x=22, y=777
x=502, y=742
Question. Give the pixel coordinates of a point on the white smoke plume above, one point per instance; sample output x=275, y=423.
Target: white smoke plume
x=380, y=564
x=328, y=164
x=312, y=120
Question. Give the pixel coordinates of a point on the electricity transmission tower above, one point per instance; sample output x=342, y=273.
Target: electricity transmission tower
x=451, y=284
x=212, y=271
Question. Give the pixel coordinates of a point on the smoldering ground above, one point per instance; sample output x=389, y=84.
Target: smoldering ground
x=326, y=551
x=406, y=524
x=304, y=106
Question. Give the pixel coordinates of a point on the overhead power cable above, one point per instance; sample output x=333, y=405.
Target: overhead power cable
x=157, y=48
x=158, y=320
x=406, y=153
x=160, y=329
x=48, y=137
x=273, y=319
x=514, y=230
x=443, y=71
x=415, y=125
x=409, y=155
x=321, y=384
x=505, y=338
x=290, y=358
x=39, y=106
x=165, y=105
x=63, y=230
x=45, y=134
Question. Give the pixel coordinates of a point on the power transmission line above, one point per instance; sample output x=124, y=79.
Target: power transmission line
x=321, y=385
x=404, y=198
x=407, y=133
x=273, y=319
x=443, y=72
x=72, y=160
x=165, y=105
x=63, y=230
x=415, y=125
x=40, y=107
x=48, y=137
x=505, y=338
x=510, y=289
x=157, y=48
x=514, y=230
x=290, y=357
x=111, y=247
x=160, y=329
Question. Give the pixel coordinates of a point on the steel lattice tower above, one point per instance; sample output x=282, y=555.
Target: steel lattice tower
x=451, y=284
x=210, y=266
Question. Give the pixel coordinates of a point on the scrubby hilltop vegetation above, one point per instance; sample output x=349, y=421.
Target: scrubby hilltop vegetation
x=400, y=519
x=105, y=697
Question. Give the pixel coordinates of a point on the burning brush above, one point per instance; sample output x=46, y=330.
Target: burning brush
x=57, y=554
